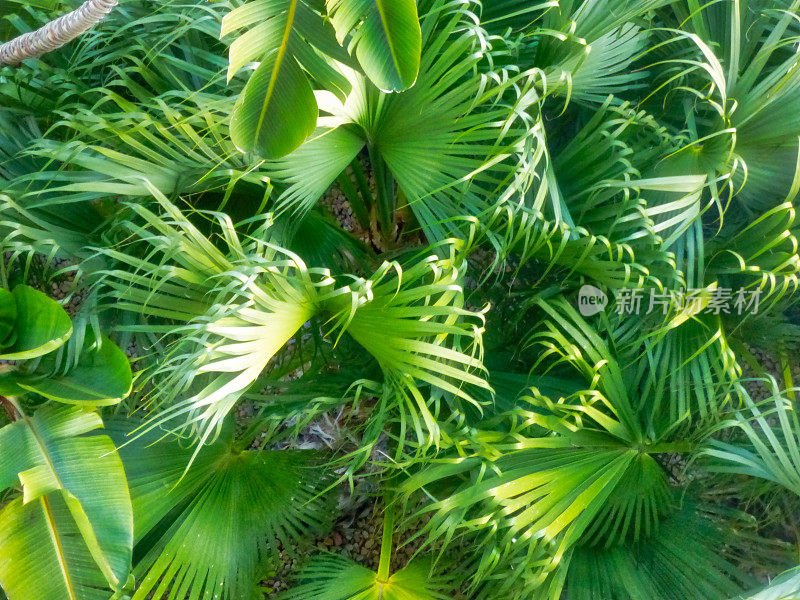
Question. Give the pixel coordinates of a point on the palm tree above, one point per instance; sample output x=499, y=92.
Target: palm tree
x=56, y=33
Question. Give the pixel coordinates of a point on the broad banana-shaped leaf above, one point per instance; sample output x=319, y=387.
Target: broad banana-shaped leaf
x=203, y=535
x=333, y=577
x=35, y=326
x=386, y=36
x=70, y=535
x=102, y=376
x=277, y=110
x=31, y=324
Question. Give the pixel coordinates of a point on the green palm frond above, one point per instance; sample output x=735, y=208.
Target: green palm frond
x=586, y=49
x=236, y=305
x=135, y=49
x=532, y=505
x=332, y=577
x=191, y=538
x=761, y=255
x=681, y=561
x=414, y=323
x=746, y=49
x=234, y=310
x=771, y=448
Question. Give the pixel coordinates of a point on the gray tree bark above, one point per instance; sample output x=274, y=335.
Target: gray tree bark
x=56, y=33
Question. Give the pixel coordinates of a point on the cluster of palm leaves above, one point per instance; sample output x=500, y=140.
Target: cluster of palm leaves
x=498, y=159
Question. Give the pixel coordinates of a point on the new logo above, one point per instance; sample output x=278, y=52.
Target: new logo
x=591, y=300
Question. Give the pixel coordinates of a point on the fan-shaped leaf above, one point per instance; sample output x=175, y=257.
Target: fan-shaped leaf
x=332, y=577
x=203, y=534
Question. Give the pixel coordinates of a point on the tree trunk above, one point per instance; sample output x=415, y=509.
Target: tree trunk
x=56, y=33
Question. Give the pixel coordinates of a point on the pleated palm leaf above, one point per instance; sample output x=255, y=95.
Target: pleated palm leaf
x=682, y=560
x=579, y=470
x=104, y=145
x=332, y=577
x=456, y=143
x=233, y=307
x=747, y=48
x=765, y=445
x=586, y=49
x=134, y=49
x=208, y=532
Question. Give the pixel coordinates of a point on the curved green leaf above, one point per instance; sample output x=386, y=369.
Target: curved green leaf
x=41, y=325
x=102, y=376
x=71, y=534
x=386, y=35
x=277, y=111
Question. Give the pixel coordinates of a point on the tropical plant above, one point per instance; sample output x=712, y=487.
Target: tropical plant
x=514, y=281
x=69, y=535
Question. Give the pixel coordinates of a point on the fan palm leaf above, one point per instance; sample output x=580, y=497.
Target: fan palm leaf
x=191, y=539
x=236, y=308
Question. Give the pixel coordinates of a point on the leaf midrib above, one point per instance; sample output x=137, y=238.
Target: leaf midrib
x=39, y=439
x=62, y=561
x=278, y=62
x=389, y=40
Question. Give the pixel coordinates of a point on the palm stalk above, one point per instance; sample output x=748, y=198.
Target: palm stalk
x=55, y=34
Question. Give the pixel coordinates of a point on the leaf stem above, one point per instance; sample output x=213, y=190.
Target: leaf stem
x=363, y=184
x=386, y=543
x=384, y=185
x=358, y=204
